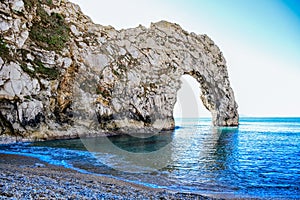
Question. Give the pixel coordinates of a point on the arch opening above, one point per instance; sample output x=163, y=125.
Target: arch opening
x=188, y=103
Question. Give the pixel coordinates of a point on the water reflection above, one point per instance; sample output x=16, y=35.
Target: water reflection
x=176, y=152
x=225, y=142
x=204, y=156
x=252, y=161
x=132, y=154
x=144, y=144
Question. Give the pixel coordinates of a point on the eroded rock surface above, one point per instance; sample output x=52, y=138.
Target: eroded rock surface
x=62, y=76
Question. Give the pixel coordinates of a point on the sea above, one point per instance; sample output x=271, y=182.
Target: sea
x=258, y=159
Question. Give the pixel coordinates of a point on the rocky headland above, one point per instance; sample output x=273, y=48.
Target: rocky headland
x=62, y=76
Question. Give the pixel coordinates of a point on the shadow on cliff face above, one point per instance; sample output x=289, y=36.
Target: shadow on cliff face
x=102, y=103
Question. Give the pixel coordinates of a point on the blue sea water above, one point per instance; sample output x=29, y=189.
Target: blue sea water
x=259, y=159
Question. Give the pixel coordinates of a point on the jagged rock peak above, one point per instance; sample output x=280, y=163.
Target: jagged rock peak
x=62, y=76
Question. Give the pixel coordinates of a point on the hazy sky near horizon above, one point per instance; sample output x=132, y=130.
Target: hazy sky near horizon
x=260, y=40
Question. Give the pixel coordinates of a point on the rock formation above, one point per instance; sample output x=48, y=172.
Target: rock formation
x=62, y=76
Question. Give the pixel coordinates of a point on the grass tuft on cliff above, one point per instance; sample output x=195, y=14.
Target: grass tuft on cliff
x=48, y=31
x=30, y=4
x=41, y=70
x=4, y=50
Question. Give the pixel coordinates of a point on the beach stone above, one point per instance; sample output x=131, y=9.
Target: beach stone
x=94, y=79
x=39, y=165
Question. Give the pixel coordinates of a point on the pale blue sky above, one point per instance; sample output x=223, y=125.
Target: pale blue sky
x=260, y=40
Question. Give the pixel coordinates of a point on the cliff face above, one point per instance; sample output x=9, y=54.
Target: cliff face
x=62, y=76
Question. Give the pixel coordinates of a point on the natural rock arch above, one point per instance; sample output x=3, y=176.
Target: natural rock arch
x=52, y=86
x=142, y=83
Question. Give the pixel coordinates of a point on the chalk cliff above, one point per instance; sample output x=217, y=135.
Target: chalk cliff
x=62, y=76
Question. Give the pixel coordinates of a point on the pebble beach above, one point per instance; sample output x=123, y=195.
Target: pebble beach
x=29, y=178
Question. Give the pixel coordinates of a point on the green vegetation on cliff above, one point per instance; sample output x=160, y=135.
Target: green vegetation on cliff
x=4, y=50
x=37, y=69
x=48, y=31
x=29, y=4
x=41, y=70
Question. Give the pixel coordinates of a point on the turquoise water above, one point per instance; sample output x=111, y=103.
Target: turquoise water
x=259, y=159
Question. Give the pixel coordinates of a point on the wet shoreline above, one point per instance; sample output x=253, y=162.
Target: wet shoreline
x=24, y=177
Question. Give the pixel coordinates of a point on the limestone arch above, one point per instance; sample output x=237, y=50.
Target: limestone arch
x=140, y=78
x=128, y=75
x=218, y=98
